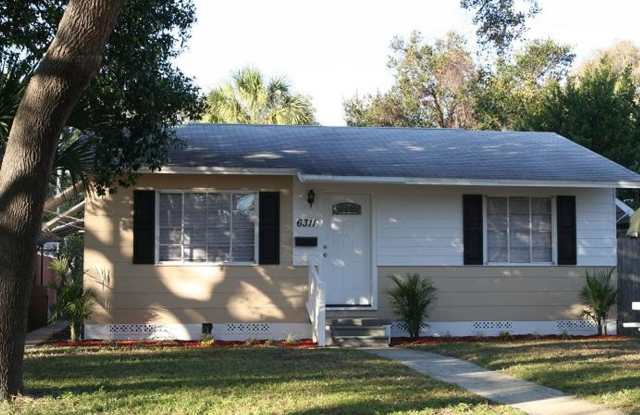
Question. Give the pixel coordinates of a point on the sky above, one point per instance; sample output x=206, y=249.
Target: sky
x=330, y=50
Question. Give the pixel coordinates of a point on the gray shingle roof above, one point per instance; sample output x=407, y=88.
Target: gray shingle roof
x=395, y=152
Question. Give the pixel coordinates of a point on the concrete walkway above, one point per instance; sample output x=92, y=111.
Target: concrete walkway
x=527, y=396
x=45, y=333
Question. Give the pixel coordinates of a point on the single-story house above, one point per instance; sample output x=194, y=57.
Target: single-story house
x=254, y=232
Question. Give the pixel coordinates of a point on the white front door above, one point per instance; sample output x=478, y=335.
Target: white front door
x=346, y=250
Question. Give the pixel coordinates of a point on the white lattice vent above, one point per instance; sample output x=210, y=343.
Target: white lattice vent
x=492, y=325
x=139, y=331
x=247, y=329
x=575, y=324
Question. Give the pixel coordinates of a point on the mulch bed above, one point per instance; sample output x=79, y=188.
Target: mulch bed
x=309, y=344
x=301, y=344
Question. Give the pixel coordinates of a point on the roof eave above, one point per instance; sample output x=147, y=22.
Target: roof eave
x=311, y=178
x=223, y=170
x=321, y=178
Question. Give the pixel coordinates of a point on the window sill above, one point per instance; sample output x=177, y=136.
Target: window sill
x=515, y=264
x=205, y=264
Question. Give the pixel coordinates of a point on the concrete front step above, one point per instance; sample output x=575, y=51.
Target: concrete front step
x=358, y=322
x=359, y=333
x=361, y=341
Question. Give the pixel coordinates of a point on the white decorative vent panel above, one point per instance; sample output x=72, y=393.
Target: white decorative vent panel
x=575, y=324
x=247, y=329
x=140, y=331
x=492, y=325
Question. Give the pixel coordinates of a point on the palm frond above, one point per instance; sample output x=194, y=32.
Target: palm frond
x=74, y=158
x=14, y=75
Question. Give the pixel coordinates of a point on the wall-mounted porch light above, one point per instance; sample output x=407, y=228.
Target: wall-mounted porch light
x=311, y=197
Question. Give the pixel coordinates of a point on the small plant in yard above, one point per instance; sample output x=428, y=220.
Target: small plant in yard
x=207, y=340
x=250, y=342
x=505, y=335
x=411, y=297
x=73, y=302
x=599, y=296
x=291, y=339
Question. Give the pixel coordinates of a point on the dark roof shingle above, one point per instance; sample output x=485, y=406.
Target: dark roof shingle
x=395, y=152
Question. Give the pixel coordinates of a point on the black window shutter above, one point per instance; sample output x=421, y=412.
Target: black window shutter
x=566, y=218
x=144, y=226
x=472, y=229
x=269, y=234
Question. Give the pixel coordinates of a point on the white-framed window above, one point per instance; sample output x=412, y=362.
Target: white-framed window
x=207, y=227
x=519, y=230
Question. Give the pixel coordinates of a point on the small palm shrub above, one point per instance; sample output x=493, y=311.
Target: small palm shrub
x=599, y=296
x=411, y=297
x=73, y=302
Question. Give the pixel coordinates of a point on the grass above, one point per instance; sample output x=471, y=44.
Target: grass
x=603, y=370
x=238, y=380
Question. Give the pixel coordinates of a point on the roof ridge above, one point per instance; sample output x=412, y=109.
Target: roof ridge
x=349, y=127
x=197, y=123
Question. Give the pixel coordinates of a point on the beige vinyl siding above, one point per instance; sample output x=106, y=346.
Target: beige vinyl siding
x=128, y=293
x=472, y=293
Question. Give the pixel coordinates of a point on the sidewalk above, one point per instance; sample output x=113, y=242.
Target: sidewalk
x=43, y=334
x=526, y=396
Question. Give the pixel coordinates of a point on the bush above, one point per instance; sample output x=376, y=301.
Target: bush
x=411, y=297
x=73, y=302
x=599, y=296
x=207, y=340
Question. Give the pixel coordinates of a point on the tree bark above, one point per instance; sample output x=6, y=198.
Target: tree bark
x=71, y=61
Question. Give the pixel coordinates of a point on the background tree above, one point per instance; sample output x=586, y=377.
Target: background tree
x=122, y=122
x=598, y=109
x=500, y=22
x=620, y=56
x=432, y=88
x=512, y=91
x=127, y=112
x=71, y=61
x=250, y=99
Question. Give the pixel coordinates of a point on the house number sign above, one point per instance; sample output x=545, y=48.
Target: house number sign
x=307, y=222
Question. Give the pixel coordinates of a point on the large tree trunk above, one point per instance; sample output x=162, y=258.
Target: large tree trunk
x=72, y=60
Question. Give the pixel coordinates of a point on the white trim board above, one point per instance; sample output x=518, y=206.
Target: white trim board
x=241, y=331
x=222, y=170
x=316, y=178
x=496, y=328
x=237, y=331
x=383, y=179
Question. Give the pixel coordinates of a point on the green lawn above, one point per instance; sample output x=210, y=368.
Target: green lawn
x=242, y=380
x=606, y=371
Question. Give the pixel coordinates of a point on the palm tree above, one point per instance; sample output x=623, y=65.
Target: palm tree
x=73, y=302
x=599, y=295
x=411, y=298
x=249, y=99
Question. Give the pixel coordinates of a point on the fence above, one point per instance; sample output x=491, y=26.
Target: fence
x=628, y=282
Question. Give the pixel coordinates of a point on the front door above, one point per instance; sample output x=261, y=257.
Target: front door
x=346, y=250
